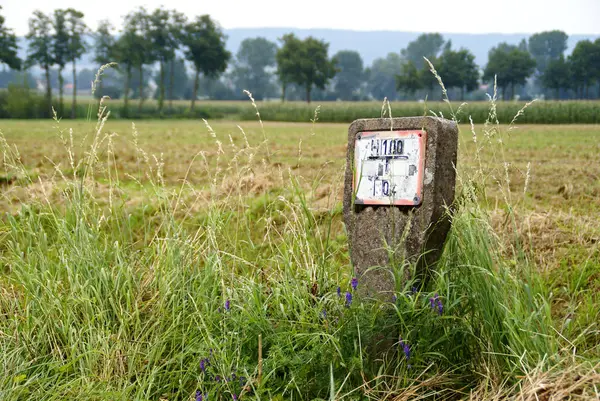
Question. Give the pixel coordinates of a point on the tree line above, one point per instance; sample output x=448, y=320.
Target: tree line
x=162, y=45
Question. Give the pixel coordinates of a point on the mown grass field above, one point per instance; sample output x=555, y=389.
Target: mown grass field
x=163, y=258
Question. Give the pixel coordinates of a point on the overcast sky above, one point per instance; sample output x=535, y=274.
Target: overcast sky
x=459, y=16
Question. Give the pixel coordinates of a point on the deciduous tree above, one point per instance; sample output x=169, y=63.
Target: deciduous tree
x=290, y=45
x=60, y=51
x=8, y=46
x=255, y=60
x=381, y=77
x=350, y=75
x=557, y=75
x=313, y=67
x=425, y=45
x=76, y=46
x=546, y=47
x=409, y=80
x=585, y=65
x=204, y=43
x=511, y=65
x=135, y=49
x=457, y=69
x=39, y=51
x=105, y=49
x=164, y=39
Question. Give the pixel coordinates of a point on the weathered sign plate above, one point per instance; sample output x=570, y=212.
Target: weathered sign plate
x=389, y=167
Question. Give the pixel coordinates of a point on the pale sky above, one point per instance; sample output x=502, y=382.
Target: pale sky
x=457, y=16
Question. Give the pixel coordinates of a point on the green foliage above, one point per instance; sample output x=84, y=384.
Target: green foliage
x=8, y=46
x=165, y=31
x=350, y=75
x=382, y=77
x=104, y=43
x=77, y=46
x=60, y=51
x=181, y=83
x=457, y=69
x=585, y=65
x=40, y=50
x=204, y=44
x=20, y=101
x=305, y=63
x=290, y=46
x=410, y=79
x=133, y=51
x=511, y=65
x=253, y=62
x=546, y=47
x=426, y=45
x=548, y=112
x=557, y=75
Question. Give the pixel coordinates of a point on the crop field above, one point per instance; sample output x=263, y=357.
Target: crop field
x=184, y=259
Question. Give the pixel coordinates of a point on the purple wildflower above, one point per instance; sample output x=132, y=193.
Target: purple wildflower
x=354, y=283
x=432, y=303
x=227, y=305
x=348, y=299
x=324, y=313
x=234, y=397
x=203, y=363
x=414, y=290
x=394, y=298
x=199, y=395
x=218, y=378
x=440, y=307
x=406, y=350
x=339, y=292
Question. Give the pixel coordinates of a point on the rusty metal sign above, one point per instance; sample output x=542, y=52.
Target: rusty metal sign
x=389, y=167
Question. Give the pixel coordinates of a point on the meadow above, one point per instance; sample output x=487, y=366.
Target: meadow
x=190, y=259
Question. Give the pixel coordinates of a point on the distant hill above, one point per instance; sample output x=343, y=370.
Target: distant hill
x=370, y=44
x=375, y=44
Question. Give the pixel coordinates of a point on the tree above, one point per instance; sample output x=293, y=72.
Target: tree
x=181, y=81
x=11, y=76
x=585, y=65
x=557, y=75
x=428, y=80
x=381, y=82
x=205, y=48
x=164, y=39
x=546, y=47
x=135, y=50
x=350, y=74
x=60, y=51
x=313, y=68
x=76, y=46
x=104, y=49
x=457, y=69
x=426, y=45
x=409, y=79
x=177, y=26
x=254, y=59
x=8, y=47
x=511, y=66
x=285, y=57
x=40, y=48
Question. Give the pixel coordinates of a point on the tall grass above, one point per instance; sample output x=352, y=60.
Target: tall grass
x=13, y=105
x=229, y=292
